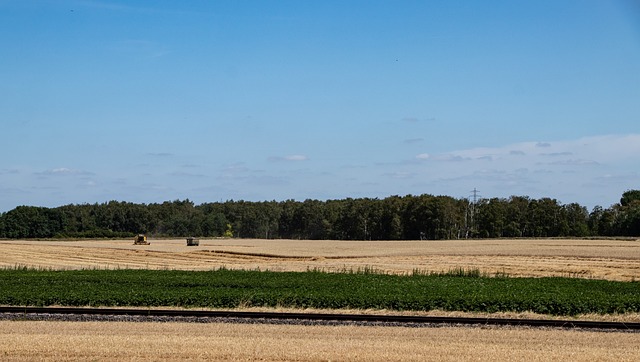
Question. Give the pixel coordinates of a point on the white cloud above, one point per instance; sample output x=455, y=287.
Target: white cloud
x=572, y=162
x=60, y=171
x=185, y=174
x=234, y=171
x=556, y=154
x=588, y=150
x=294, y=158
x=569, y=170
x=160, y=154
x=449, y=157
x=63, y=170
x=400, y=175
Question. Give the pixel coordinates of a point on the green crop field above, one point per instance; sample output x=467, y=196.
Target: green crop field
x=312, y=289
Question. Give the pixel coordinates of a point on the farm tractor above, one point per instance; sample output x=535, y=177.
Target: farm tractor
x=140, y=239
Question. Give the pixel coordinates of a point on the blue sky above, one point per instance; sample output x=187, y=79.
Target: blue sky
x=148, y=101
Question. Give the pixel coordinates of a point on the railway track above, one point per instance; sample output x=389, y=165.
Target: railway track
x=272, y=317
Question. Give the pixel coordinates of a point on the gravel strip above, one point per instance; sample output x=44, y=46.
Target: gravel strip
x=299, y=322
x=167, y=319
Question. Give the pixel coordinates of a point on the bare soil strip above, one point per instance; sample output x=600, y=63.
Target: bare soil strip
x=117, y=341
x=600, y=259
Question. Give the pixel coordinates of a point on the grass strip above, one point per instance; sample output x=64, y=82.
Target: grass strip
x=313, y=289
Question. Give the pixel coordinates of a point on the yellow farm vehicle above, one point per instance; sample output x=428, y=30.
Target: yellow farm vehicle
x=140, y=239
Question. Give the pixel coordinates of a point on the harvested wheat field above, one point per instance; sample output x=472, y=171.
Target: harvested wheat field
x=118, y=341
x=110, y=341
x=601, y=259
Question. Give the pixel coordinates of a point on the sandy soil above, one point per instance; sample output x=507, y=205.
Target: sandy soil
x=118, y=341
x=601, y=259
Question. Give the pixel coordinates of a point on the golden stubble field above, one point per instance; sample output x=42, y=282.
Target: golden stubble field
x=114, y=341
x=600, y=259
x=122, y=341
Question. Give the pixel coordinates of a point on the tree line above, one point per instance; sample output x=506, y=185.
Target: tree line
x=393, y=218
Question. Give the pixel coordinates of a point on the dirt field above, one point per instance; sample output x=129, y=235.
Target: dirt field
x=122, y=341
x=601, y=259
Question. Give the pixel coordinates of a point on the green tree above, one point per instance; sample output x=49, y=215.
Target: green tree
x=603, y=222
x=32, y=222
x=629, y=216
x=517, y=217
x=391, y=227
x=629, y=197
x=228, y=233
x=577, y=220
x=491, y=217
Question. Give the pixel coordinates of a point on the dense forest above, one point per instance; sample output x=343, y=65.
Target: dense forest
x=392, y=218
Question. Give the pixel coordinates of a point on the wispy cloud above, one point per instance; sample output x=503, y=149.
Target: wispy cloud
x=572, y=162
x=236, y=168
x=565, y=169
x=450, y=157
x=295, y=158
x=186, y=174
x=615, y=178
x=64, y=171
x=238, y=171
x=597, y=149
x=400, y=175
x=160, y=154
x=503, y=177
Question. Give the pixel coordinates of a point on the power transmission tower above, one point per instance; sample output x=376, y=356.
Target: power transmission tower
x=475, y=195
x=472, y=210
